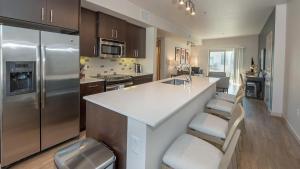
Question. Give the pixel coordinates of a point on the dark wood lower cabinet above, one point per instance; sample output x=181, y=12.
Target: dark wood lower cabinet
x=85, y=90
x=142, y=79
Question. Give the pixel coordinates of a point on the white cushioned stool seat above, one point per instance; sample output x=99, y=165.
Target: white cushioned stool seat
x=189, y=152
x=225, y=96
x=210, y=124
x=221, y=105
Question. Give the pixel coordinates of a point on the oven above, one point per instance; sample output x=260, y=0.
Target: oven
x=111, y=49
x=116, y=83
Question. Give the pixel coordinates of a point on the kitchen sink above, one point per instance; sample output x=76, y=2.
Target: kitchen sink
x=177, y=82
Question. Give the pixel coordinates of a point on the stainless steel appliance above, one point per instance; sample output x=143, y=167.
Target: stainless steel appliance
x=116, y=81
x=111, y=49
x=138, y=68
x=39, y=98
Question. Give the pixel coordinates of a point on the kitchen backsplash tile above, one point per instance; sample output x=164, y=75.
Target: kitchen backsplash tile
x=101, y=66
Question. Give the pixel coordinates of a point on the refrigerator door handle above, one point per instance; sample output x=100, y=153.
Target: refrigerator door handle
x=38, y=77
x=43, y=73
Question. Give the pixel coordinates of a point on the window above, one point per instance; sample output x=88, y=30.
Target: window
x=222, y=61
x=216, y=61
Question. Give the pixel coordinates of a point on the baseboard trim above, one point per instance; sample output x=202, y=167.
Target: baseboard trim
x=276, y=114
x=292, y=130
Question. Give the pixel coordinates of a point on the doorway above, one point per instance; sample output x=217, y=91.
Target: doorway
x=222, y=60
x=158, y=59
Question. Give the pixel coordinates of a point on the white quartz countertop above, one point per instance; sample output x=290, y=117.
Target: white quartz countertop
x=154, y=102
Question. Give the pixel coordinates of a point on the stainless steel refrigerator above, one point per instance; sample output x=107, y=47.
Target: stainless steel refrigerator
x=39, y=82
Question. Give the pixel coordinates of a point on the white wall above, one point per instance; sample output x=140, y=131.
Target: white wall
x=250, y=43
x=278, y=67
x=168, y=55
x=292, y=106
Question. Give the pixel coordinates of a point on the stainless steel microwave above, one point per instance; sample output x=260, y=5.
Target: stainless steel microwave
x=111, y=49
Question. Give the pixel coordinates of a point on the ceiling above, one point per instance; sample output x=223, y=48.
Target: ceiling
x=215, y=18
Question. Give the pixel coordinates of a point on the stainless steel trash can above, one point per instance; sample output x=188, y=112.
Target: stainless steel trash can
x=85, y=154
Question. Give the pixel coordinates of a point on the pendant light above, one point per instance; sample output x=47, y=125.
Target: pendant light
x=188, y=5
x=193, y=11
x=181, y=2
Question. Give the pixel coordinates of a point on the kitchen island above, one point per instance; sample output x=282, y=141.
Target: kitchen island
x=140, y=122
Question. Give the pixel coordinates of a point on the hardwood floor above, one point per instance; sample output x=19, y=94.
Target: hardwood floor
x=267, y=144
x=43, y=160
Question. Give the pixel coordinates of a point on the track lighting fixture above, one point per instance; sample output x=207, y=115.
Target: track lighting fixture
x=189, y=6
x=193, y=11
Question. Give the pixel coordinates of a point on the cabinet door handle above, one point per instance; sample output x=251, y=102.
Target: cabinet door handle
x=93, y=86
x=43, y=13
x=95, y=50
x=112, y=33
x=137, y=53
x=51, y=15
x=117, y=34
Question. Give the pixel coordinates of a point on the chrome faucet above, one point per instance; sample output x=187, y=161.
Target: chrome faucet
x=186, y=67
x=189, y=79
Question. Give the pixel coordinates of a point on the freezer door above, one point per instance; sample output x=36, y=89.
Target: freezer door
x=20, y=100
x=60, y=88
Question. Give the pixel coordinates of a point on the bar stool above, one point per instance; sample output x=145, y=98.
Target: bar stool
x=216, y=130
x=222, y=108
x=229, y=97
x=190, y=152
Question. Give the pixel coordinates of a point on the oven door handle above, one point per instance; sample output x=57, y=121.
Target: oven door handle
x=112, y=87
x=118, y=86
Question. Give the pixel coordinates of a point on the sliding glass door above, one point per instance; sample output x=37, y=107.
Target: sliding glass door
x=222, y=61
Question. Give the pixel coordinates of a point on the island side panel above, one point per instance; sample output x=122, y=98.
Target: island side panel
x=162, y=136
x=109, y=127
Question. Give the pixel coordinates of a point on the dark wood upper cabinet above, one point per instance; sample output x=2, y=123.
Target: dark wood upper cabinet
x=111, y=28
x=135, y=41
x=59, y=13
x=88, y=33
x=26, y=10
x=63, y=13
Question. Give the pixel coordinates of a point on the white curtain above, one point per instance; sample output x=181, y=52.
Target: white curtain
x=238, y=64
